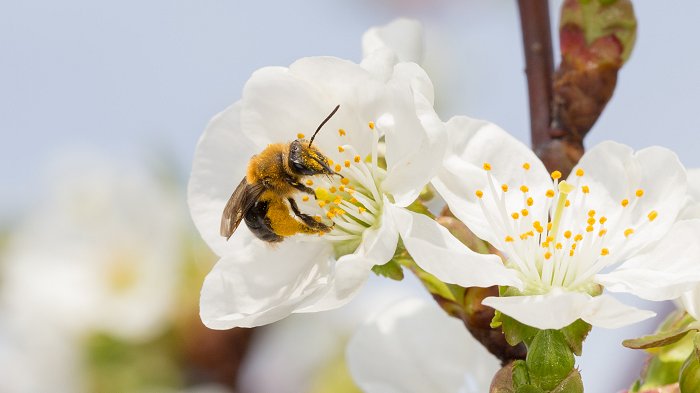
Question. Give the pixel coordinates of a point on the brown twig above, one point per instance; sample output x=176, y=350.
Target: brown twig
x=539, y=67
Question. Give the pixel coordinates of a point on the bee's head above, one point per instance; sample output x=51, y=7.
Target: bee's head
x=305, y=160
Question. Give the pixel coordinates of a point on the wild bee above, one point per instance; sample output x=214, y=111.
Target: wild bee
x=264, y=196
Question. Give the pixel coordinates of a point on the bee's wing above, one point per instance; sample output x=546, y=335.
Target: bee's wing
x=242, y=199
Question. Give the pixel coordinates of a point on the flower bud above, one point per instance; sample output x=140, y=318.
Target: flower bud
x=549, y=359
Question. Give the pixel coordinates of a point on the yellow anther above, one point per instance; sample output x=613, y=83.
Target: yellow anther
x=338, y=200
x=530, y=233
x=340, y=212
x=353, y=200
x=347, y=163
x=591, y=213
x=567, y=203
x=341, y=188
x=639, y=193
x=559, y=246
x=341, y=149
x=330, y=215
x=625, y=202
x=361, y=209
x=571, y=253
x=300, y=136
x=530, y=201
x=332, y=189
x=589, y=228
x=573, y=246
x=578, y=237
x=524, y=212
x=487, y=166
x=524, y=189
x=556, y=175
x=509, y=239
x=515, y=216
x=550, y=239
x=602, y=220
x=591, y=220
x=549, y=226
x=604, y=252
x=547, y=255
x=309, y=182
x=567, y=234
x=537, y=226
x=652, y=215
x=338, y=167
x=371, y=125
x=317, y=218
x=357, y=158
x=526, y=166
x=585, y=189
x=345, y=181
x=330, y=162
x=321, y=204
x=545, y=244
x=504, y=187
x=579, y=172
x=602, y=232
x=305, y=198
x=523, y=236
x=549, y=194
x=628, y=232
x=479, y=194
x=341, y=132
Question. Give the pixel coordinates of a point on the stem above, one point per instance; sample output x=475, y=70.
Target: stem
x=539, y=67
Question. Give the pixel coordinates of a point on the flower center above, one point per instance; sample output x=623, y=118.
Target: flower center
x=568, y=243
x=354, y=202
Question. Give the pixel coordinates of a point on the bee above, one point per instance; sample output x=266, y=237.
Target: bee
x=264, y=197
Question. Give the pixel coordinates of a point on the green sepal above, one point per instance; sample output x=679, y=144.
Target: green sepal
x=549, y=359
x=515, y=332
x=690, y=372
x=529, y=389
x=419, y=207
x=520, y=375
x=575, y=334
x=661, y=339
x=391, y=270
x=572, y=384
x=659, y=373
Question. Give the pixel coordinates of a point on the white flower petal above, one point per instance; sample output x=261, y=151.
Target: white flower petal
x=472, y=143
x=439, y=253
x=691, y=302
x=607, y=312
x=694, y=183
x=352, y=271
x=219, y=164
x=666, y=271
x=558, y=309
x=404, y=37
x=396, y=353
x=260, y=284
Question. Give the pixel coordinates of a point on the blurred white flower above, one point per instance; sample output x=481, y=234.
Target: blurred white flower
x=100, y=253
x=612, y=223
x=414, y=347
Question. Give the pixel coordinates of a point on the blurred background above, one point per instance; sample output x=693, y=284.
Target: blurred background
x=101, y=105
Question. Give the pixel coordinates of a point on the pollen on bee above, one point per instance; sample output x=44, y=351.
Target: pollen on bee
x=487, y=166
x=341, y=132
x=317, y=218
x=524, y=189
x=585, y=189
x=579, y=172
x=345, y=181
x=604, y=252
x=526, y=166
x=652, y=215
x=357, y=158
x=549, y=194
x=337, y=167
x=625, y=202
x=309, y=182
x=504, y=187
x=371, y=125
x=300, y=136
x=628, y=232
x=556, y=175
x=347, y=163
x=305, y=198
x=530, y=201
x=341, y=149
x=479, y=194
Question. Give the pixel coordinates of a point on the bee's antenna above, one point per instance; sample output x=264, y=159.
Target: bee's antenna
x=322, y=123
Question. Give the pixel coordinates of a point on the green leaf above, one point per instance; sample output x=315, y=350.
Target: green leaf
x=662, y=338
x=690, y=372
x=549, y=359
x=390, y=270
x=575, y=334
x=572, y=384
x=659, y=373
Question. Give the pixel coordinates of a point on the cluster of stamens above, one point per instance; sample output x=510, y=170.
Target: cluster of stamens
x=567, y=245
x=353, y=202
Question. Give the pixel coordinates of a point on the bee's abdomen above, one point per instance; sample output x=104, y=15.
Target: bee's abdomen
x=258, y=223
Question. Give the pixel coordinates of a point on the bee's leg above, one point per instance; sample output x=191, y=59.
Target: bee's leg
x=307, y=219
x=294, y=183
x=283, y=224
